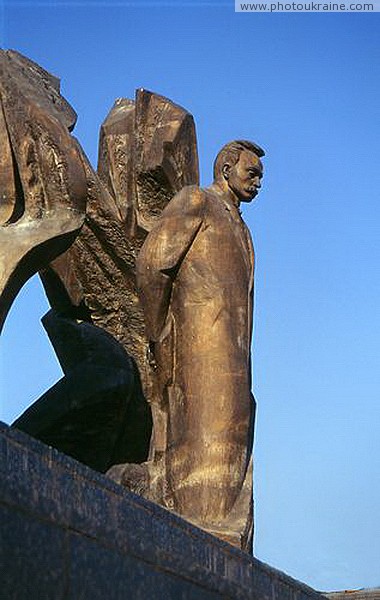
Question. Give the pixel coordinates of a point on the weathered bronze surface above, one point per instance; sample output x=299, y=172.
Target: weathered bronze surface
x=42, y=178
x=195, y=274
x=147, y=153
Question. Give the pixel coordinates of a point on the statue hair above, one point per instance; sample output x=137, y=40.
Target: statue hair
x=230, y=153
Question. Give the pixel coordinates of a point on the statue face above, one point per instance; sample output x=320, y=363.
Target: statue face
x=244, y=178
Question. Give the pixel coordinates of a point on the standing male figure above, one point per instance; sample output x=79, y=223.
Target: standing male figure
x=195, y=275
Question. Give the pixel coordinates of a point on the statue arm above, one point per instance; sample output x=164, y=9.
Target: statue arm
x=162, y=253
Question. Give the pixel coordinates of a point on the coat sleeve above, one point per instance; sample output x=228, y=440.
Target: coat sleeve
x=162, y=253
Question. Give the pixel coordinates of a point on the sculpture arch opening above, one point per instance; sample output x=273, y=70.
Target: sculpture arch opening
x=24, y=343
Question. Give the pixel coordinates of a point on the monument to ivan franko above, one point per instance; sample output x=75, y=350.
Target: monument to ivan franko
x=150, y=282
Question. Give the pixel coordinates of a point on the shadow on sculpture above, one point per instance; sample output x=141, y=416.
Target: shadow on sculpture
x=97, y=412
x=156, y=356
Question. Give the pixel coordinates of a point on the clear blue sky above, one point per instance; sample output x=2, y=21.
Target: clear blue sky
x=306, y=88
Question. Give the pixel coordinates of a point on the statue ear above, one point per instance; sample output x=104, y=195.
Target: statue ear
x=226, y=170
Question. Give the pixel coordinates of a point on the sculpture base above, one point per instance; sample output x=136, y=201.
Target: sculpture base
x=69, y=533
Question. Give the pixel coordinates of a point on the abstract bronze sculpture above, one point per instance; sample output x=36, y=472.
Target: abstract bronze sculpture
x=42, y=175
x=182, y=319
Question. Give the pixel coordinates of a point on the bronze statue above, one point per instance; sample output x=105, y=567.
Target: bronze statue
x=195, y=274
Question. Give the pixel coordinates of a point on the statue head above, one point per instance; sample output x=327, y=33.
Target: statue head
x=238, y=168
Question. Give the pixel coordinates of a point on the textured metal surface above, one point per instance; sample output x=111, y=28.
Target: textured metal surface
x=42, y=176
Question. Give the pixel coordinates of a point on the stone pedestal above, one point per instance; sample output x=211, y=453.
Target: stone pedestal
x=69, y=533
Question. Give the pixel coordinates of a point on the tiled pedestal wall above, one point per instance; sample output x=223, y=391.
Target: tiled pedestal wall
x=70, y=533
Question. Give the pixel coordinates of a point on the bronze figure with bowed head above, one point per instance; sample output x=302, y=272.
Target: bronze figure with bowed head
x=195, y=275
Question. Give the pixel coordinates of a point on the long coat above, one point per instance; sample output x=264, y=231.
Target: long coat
x=195, y=274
